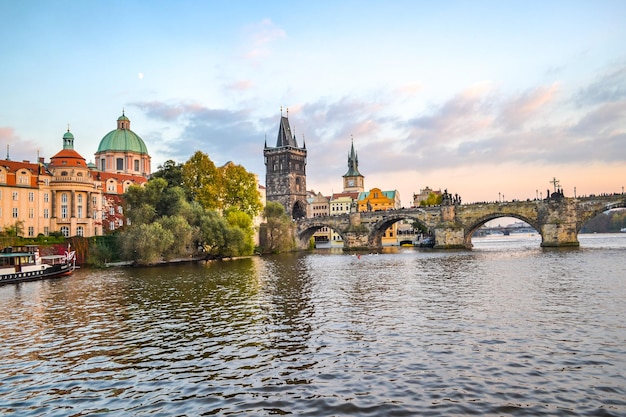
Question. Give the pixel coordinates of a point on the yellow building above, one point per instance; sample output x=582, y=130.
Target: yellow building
x=376, y=200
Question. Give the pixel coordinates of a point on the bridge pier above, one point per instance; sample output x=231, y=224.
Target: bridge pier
x=557, y=235
x=449, y=237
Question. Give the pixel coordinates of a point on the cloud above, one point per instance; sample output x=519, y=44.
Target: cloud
x=18, y=148
x=477, y=127
x=260, y=37
x=610, y=86
x=518, y=110
x=242, y=85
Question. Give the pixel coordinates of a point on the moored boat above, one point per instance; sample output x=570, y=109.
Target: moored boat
x=23, y=263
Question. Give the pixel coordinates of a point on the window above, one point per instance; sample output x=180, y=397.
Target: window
x=46, y=214
x=64, y=198
x=95, y=215
x=103, y=164
x=64, y=173
x=136, y=164
x=31, y=231
x=112, y=211
x=120, y=210
x=79, y=211
x=15, y=213
x=94, y=200
x=15, y=195
x=31, y=196
x=80, y=231
x=64, y=211
x=22, y=179
x=46, y=230
x=46, y=197
x=111, y=225
x=79, y=198
x=65, y=231
x=31, y=213
x=46, y=181
x=120, y=164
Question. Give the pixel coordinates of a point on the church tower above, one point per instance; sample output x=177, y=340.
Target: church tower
x=353, y=180
x=285, y=171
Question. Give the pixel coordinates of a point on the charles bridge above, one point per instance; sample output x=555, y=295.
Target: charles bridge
x=557, y=220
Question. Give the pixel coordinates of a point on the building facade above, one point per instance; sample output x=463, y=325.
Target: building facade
x=68, y=195
x=285, y=172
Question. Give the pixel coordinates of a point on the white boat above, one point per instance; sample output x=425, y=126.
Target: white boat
x=23, y=263
x=623, y=230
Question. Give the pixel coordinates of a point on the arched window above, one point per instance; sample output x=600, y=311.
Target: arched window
x=80, y=231
x=65, y=231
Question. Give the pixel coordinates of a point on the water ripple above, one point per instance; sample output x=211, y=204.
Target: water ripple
x=494, y=331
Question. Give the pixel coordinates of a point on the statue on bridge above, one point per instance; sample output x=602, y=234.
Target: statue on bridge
x=449, y=199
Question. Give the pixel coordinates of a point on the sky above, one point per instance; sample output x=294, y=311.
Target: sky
x=487, y=99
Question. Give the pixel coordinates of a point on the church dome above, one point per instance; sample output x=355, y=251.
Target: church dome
x=122, y=139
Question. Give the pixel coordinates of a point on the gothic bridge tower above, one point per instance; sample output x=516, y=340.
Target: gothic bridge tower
x=285, y=171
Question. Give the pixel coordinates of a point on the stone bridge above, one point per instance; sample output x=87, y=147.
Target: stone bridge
x=558, y=221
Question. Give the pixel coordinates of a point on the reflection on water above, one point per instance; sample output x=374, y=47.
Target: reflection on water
x=507, y=328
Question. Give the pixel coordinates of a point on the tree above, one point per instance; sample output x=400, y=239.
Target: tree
x=155, y=199
x=239, y=190
x=203, y=180
x=238, y=220
x=171, y=172
x=213, y=233
x=183, y=234
x=145, y=243
x=279, y=228
x=432, y=200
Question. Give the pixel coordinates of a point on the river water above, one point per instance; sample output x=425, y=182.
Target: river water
x=507, y=328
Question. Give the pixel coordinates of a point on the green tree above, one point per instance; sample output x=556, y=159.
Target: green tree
x=432, y=200
x=145, y=243
x=155, y=199
x=279, y=228
x=213, y=233
x=171, y=172
x=203, y=180
x=239, y=190
x=183, y=243
x=238, y=220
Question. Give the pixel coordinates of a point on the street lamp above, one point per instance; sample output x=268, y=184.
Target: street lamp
x=536, y=194
x=574, y=192
x=499, y=198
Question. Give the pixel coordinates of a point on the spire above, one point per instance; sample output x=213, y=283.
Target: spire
x=285, y=137
x=353, y=162
x=8, y=157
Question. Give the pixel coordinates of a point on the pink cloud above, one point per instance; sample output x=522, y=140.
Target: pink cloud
x=521, y=109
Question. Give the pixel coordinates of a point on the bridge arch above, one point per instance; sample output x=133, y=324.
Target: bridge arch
x=305, y=235
x=591, y=213
x=469, y=231
x=378, y=229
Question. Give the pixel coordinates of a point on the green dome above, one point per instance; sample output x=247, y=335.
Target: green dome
x=124, y=140
x=68, y=135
